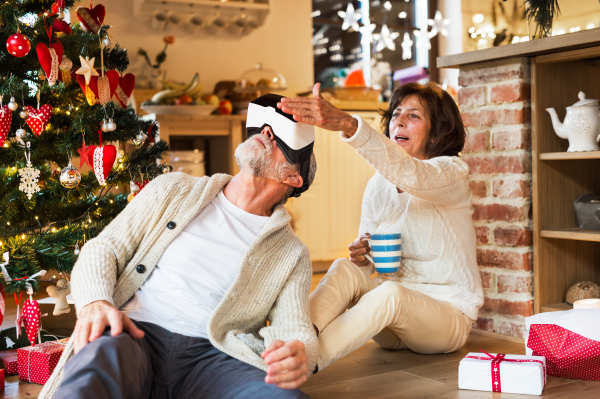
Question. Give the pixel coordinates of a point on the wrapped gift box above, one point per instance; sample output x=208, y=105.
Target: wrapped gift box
x=2, y=380
x=36, y=363
x=502, y=373
x=9, y=361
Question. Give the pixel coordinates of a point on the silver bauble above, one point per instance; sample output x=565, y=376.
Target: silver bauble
x=21, y=133
x=66, y=64
x=12, y=105
x=106, y=41
x=70, y=177
x=166, y=169
x=104, y=126
x=111, y=125
x=134, y=187
x=23, y=114
x=139, y=139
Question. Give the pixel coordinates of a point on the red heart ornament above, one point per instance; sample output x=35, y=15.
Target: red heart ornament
x=5, y=120
x=102, y=160
x=31, y=317
x=61, y=26
x=91, y=19
x=38, y=118
x=104, y=86
x=125, y=89
x=50, y=59
x=89, y=94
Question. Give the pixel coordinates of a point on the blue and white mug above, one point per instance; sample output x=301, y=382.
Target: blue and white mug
x=387, y=251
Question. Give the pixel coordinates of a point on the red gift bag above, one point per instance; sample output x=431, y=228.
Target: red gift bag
x=568, y=354
x=36, y=363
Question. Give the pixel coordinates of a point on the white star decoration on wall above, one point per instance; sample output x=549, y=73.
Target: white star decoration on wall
x=385, y=39
x=367, y=33
x=439, y=24
x=351, y=18
x=424, y=36
x=407, y=47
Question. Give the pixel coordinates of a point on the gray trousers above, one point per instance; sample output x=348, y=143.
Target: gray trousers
x=162, y=365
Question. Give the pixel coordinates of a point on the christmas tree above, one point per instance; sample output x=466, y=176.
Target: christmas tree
x=58, y=82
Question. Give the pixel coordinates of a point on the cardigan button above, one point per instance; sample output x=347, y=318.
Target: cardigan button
x=140, y=269
x=171, y=225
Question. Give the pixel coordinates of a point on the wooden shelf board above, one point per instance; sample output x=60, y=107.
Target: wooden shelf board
x=548, y=156
x=573, y=55
x=572, y=234
x=537, y=47
x=557, y=307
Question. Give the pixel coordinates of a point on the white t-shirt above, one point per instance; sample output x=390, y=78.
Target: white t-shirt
x=196, y=269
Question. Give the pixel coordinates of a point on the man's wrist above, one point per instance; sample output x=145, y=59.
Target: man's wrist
x=351, y=126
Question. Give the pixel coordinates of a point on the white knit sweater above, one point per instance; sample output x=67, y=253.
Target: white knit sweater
x=435, y=220
x=272, y=284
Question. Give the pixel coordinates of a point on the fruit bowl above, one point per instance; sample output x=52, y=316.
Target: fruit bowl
x=180, y=109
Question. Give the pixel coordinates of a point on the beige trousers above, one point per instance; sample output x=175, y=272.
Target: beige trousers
x=394, y=316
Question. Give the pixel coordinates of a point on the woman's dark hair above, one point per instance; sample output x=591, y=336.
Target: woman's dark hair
x=447, y=134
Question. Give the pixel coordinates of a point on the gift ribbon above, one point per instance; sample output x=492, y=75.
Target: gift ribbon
x=6, y=257
x=495, y=367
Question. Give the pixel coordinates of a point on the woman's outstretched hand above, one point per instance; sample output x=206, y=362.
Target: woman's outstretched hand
x=319, y=112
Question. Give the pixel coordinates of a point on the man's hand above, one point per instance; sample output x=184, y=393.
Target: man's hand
x=319, y=112
x=93, y=320
x=358, y=249
x=287, y=363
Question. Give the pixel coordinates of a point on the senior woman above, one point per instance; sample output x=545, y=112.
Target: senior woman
x=421, y=190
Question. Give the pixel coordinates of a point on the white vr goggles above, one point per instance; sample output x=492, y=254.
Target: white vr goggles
x=294, y=139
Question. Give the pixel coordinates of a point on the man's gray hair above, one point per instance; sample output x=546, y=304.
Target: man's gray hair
x=312, y=172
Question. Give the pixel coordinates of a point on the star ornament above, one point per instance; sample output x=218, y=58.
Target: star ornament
x=84, y=154
x=351, y=18
x=439, y=24
x=424, y=37
x=87, y=68
x=407, y=47
x=367, y=33
x=385, y=39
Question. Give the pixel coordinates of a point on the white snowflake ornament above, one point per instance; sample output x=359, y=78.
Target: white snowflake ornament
x=351, y=18
x=29, y=177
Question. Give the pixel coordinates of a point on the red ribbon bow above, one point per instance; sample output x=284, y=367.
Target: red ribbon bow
x=495, y=367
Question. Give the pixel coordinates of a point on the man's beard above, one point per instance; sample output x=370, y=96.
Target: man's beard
x=252, y=156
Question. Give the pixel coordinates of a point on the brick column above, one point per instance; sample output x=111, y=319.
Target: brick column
x=495, y=107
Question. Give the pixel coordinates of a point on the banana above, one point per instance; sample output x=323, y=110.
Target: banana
x=196, y=90
x=170, y=94
x=169, y=85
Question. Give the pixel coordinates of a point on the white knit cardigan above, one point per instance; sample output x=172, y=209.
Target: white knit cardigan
x=438, y=235
x=272, y=284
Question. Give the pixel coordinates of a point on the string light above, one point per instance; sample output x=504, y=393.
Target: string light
x=8, y=223
x=23, y=236
x=36, y=218
x=53, y=229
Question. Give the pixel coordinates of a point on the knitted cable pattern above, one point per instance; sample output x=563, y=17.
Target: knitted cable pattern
x=272, y=284
x=434, y=216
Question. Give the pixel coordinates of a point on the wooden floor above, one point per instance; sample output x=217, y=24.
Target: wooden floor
x=373, y=372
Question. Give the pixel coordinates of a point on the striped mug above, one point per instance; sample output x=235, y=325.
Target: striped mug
x=387, y=251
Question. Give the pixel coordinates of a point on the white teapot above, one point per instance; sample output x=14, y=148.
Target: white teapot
x=581, y=124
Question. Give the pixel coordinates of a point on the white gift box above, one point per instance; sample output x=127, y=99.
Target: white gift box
x=514, y=374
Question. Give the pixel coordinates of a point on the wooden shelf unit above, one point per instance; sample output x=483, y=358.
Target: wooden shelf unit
x=563, y=254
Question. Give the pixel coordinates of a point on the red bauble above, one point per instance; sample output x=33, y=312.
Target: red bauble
x=18, y=45
x=31, y=316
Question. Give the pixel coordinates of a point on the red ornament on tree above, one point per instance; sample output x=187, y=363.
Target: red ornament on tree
x=18, y=45
x=5, y=120
x=38, y=118
x=31, y=317
x=102, y=159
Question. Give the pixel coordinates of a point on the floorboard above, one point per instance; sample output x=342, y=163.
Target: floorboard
x=373, y=372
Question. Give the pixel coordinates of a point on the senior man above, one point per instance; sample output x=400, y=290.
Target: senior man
x=179, y=295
